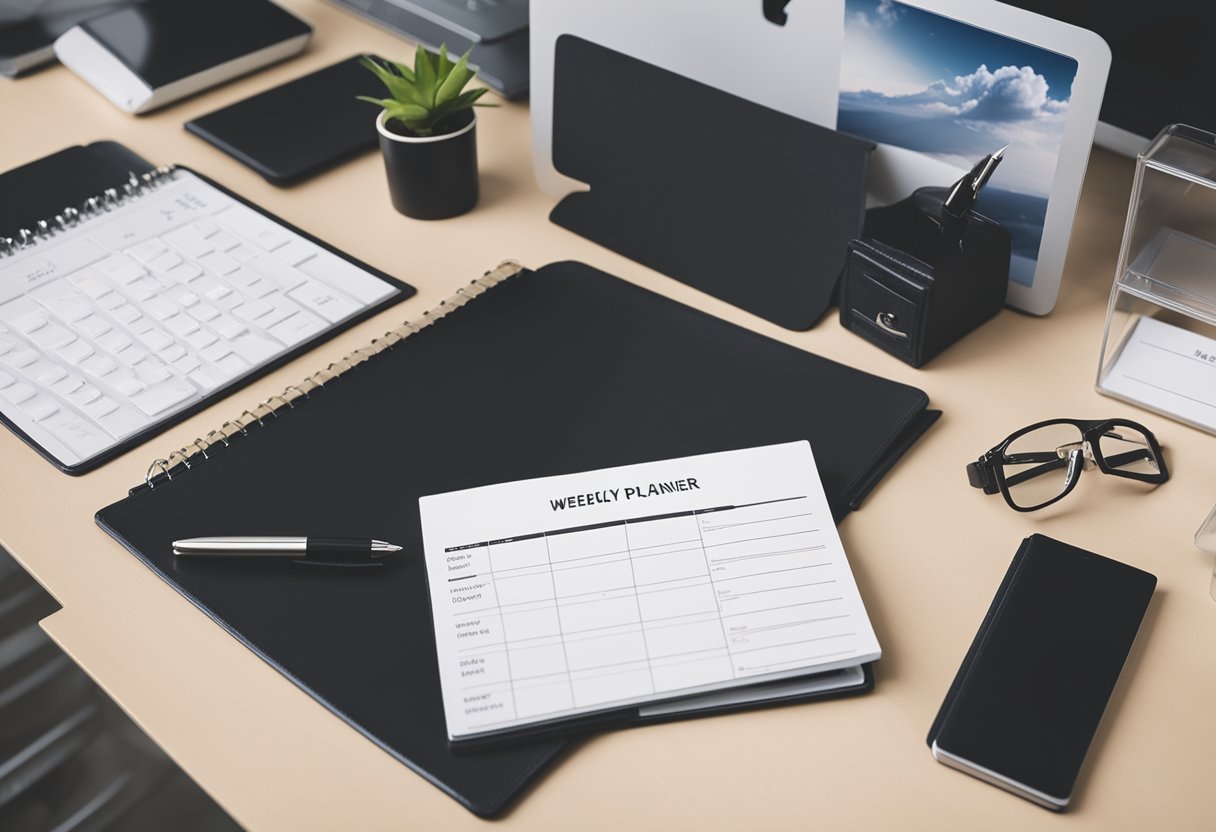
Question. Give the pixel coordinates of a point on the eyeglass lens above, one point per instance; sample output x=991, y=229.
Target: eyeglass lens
x=1036, y=464
x=1127, y=450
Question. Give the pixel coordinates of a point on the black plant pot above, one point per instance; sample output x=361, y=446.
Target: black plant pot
x=432, y=177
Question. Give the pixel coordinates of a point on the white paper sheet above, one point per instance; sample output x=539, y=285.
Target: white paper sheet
x=574, y=594
x=1168, y=368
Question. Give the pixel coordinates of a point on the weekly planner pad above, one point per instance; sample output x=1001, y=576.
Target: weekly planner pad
x=562, y=597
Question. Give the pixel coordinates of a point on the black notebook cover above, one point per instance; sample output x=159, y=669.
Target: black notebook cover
x=559, y=370
x=1032, y=689
x=42, y=188
x=748, y=204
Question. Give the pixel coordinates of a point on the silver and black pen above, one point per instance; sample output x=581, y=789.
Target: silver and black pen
x=307, y=549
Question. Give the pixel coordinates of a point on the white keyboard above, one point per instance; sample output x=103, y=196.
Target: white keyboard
x=135, y=314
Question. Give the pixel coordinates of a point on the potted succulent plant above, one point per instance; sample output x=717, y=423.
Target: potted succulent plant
x=428, y=135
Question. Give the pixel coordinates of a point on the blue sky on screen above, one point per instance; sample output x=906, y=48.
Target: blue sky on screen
x=934, y=85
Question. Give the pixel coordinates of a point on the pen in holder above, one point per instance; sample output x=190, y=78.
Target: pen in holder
x=927, y=271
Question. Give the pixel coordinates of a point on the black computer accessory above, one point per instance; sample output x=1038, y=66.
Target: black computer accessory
x=156, y=52
x=1027, y=700
x=265, y=133
x=749, y=204
x=521, y=374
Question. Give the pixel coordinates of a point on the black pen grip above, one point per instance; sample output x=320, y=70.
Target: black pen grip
x=341, y=549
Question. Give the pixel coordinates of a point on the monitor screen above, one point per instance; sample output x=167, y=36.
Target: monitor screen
x=28, y=28
x=1162, y=64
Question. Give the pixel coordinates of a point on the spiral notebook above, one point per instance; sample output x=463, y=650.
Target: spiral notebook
x=131, y=298
x=521, y=374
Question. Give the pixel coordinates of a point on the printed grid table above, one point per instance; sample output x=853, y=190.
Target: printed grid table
x=590, y=616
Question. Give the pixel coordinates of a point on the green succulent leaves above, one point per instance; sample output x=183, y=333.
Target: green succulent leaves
x=423, y=96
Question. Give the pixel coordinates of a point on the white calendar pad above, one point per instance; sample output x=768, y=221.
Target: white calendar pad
x=566, y=596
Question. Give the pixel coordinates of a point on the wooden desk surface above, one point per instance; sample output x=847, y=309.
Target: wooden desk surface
x=928, y=551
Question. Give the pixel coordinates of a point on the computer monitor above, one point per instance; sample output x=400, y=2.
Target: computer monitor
x=28, y=29
x=496, y=31
x=1163, y=61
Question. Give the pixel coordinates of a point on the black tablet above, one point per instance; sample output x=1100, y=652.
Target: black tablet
x=299, y=129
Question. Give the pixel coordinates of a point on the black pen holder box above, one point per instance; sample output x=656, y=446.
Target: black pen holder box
x=913, y=286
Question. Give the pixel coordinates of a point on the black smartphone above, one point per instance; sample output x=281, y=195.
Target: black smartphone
x=297, y=130
x=1028, y=698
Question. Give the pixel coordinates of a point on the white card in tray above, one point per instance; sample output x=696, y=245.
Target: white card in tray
x=1169, y=369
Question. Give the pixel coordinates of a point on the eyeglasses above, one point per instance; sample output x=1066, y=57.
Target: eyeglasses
x=1038, y=465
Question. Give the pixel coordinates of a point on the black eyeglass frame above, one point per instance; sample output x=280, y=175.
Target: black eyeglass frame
x=988, y=472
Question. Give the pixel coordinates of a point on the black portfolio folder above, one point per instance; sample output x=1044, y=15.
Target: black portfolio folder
x=31, y=197
x=749, y=204
x=560, y=370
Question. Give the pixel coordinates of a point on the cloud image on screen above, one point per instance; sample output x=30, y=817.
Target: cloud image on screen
x=953, y=93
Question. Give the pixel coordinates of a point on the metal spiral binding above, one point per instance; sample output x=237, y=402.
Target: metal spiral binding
x=104, y=202
x=293, y=393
